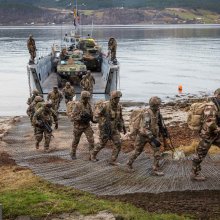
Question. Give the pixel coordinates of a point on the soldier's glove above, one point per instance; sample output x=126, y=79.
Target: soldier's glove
x=56, y=125
x=154, y=142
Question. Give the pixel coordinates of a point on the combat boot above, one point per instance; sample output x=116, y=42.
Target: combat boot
x=113, y=162
x=156, y=171
x=37, y=145
x=197, y=177
x=93, y=156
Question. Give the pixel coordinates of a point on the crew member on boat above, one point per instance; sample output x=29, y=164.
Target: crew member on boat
x=112, y=47
x=55, y=97
x=31, y=48
x=64, y=54
x=68, y=92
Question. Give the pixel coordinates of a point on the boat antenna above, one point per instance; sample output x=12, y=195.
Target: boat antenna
x=92, y=27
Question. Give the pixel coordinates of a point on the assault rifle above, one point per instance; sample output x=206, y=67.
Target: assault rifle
x=85, y=117
x=165, y=133
x=45, y=125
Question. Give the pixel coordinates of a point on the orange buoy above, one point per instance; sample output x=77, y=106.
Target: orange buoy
x=180, y=88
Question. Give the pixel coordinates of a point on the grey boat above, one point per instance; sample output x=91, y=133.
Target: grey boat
x=49, y=71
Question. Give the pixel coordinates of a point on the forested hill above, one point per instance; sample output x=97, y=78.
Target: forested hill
x=212, y=5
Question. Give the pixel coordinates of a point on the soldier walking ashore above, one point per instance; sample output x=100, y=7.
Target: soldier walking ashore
x=209, y=134
x=42, y=121
x=111, y=123
x=148, y=132
x=82, y=116
x=68, y=92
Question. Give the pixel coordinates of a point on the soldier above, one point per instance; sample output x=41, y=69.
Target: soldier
x=64, y=55
x=209, y=134
x=31, y=48
x=55, y=97
x=68, y=92
x=112, y=47
x=42, y=121
x=82, y=115
x=88, y=82
x=148, y=132
x=111, y=122
x=35, y=93
x=34, y=106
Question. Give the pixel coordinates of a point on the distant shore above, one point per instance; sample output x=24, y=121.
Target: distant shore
x=113, y=16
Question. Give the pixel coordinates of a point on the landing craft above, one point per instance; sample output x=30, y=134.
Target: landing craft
x=82, y=54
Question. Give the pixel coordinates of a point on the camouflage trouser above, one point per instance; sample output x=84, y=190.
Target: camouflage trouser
x=39, y=132
x=33, y=54
x=201, y=152
x=140, y=142
x=68, y=99
x=116, y=139
x=77, y=133
x=113, y=54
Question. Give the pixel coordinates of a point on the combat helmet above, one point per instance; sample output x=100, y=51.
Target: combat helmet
x=68, y=84
x=47, y=104
x=38, y=99
x=85, y=94
x=115, y=94
x=155, y=101
x=35, y=92
x=217, y=92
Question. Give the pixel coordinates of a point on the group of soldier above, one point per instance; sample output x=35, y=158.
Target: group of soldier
x=111, y=124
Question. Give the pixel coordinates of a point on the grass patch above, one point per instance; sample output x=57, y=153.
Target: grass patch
x=22, y=193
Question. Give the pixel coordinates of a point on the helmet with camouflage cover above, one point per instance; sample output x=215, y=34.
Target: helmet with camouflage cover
x=68, y=84
x=85, y=94
x=154, y=101
x=217, y=92
x=38, y=99
x=47, y=104
x=115, y=94
x=35, y=92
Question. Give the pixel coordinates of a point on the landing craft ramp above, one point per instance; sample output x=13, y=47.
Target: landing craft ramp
x=101, y=179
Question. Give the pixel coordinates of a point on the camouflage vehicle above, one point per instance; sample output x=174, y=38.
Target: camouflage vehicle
x=72, y=69
x=92, y=56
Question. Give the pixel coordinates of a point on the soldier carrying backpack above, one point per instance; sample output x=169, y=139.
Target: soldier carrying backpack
x=207, y=122
x=147, y=127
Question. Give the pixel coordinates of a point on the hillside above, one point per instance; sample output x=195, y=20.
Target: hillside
x=212, y=5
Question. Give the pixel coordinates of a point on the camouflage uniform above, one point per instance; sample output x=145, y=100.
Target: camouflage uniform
x=64, y=55
x=209, y=135
x=55, y=97
x=32, y=107
x=31, y=47
x=35, y=93
x=81, y=116
x=148, y=132
x=68, y=92
x=111, y=123
x=87, y=82
x=112, y=46
x=47, y=115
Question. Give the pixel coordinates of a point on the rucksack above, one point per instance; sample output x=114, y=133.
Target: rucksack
x=134, y=122
x=69, y=107
x=196, y=115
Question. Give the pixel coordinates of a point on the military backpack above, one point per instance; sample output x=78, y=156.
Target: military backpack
x=196, y=115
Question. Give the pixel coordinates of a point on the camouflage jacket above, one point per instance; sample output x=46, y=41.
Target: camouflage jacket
x=149, y=123
x=210, y=122
x=79, y=110
x=68, y=92
x=55, y=97
x=109, y=116
x=31, y=99
x=31, y=45
x=46, y=116
x=86, y=84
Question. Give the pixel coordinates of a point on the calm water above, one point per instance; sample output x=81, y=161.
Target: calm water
x=154, y=60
